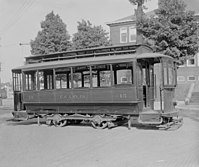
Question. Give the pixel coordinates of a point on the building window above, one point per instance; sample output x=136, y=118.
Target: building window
x=198, y=58
x=180, y=78
x=183, y=64
x=132, y=34
x=191, y=62
x=123, y=35
x=191, y=78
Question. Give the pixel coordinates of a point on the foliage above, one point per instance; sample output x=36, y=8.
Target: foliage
x=52, y=38
x=137, y=2
x=89, y=36
x=139, y=17
x=173, y=30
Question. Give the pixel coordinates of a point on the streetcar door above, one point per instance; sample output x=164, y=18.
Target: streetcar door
x=168, y=85
x=145, y=72
x=148, y=85
x=17, y=89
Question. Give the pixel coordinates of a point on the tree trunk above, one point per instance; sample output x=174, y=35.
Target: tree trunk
x=139, y=18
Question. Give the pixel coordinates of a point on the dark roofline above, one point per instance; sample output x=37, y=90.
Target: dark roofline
x=129, y=19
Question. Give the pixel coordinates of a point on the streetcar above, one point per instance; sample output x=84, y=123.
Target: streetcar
x=101, y=86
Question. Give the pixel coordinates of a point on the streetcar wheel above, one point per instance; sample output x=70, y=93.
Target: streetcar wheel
x=102, y=125
x=49, y=122
x=62, y=123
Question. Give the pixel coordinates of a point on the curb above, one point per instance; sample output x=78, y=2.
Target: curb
x=187, y=108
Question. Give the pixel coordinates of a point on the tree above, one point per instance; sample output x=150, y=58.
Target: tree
x=52, y=38
x=89, y=36
x=173, y=30
x=139, y=13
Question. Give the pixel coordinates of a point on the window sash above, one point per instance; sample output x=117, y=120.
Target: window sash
x=132, y=34
x=123, y=35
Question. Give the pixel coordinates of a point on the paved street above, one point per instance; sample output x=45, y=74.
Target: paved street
x=28, y=145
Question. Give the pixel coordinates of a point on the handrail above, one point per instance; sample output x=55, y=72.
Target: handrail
x=189, y=94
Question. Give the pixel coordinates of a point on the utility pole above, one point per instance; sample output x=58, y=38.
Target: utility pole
x=0, y=87
x=0, y=76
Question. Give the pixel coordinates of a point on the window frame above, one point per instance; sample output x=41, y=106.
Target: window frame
x=181, y=80
x=129, y=77
x=66, y=71
x=123, y=30
x=169, y=64
x=191, y=65
x=197, y=58
x=30, y=80
x=191, y=80
x=132, y=31
x=17, y=81
x=48, y=77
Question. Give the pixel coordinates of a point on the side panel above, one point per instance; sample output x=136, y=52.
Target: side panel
x=139, y=81
x=17, y=101
x=100, y=100
x=168, y=99
x=98, y=95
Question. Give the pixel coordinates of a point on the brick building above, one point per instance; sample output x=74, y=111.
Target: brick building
x=123, y=31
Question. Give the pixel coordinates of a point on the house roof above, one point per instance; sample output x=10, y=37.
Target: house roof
x=130, y=18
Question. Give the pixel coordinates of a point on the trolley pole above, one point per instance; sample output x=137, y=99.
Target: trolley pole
x=22, y=48
x=21, y=44
x=0, y=87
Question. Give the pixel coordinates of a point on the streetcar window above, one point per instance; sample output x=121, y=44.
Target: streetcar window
x=86, y=79
x=105, y=78
x=61, y=81
x=151, y=76
x=17, y=78
x=30, y=80
x=41, y=80
x=46, y=79
x=81, y=77
x=101, y=75
x=169, y=73
x=62, y=78
x=77, y=80
x=165, y=76
x=123, y=73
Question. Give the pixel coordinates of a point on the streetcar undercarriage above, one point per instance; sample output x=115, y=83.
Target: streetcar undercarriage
x=152, y=119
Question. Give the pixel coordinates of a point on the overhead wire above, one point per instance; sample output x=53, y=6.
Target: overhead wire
x=17, y=15
x=10, y=45
x=18, y=11
x=13, y=15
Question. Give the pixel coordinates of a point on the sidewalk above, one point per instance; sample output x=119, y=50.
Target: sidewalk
x=182, y=105
x=7, y=104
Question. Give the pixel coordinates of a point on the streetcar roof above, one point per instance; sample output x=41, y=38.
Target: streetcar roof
x=90, y=61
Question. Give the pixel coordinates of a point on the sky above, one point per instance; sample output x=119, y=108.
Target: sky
x=20, y=22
